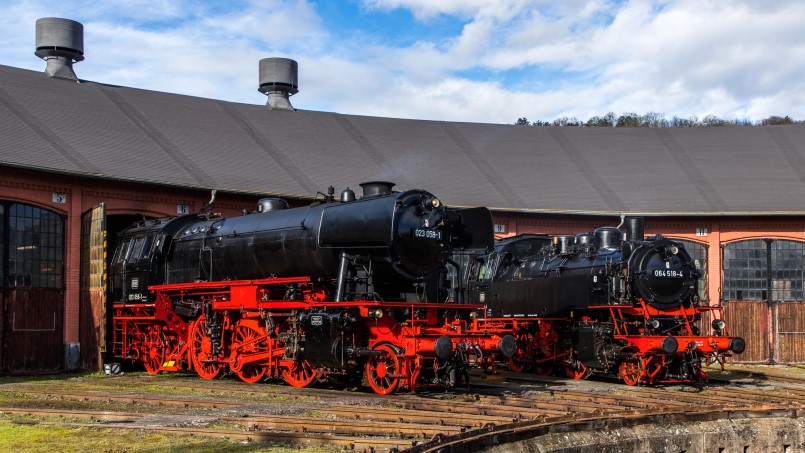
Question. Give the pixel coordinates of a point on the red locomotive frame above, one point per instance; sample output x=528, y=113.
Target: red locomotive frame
x=255, y=317
x=539, y=343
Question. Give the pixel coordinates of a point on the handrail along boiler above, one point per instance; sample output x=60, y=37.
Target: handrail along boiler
x=344, y=289
x=610, y=302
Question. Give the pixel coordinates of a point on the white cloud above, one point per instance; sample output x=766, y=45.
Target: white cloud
x=511, y=58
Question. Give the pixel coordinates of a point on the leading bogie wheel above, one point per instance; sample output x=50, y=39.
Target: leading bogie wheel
x=155, y=345
x=207, y=365
x=301, y=375
x=631, y=370
x=383, y=371
x=577, y=370
x=522, y=357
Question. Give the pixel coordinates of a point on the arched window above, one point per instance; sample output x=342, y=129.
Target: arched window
x=32, y=245
x=698, y=252
x=746, y=270
x=764, y=269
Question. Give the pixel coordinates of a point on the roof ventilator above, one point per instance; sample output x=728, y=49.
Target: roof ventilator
x=60, y=42
x=279, y=79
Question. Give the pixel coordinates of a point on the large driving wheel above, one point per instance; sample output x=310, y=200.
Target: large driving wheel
x=154, y=347
x=631, y=370
x=382, y=371
x=249, y=339
x=301, y=375
x=207, y=365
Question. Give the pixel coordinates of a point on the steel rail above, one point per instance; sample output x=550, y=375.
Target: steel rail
x=502, y=434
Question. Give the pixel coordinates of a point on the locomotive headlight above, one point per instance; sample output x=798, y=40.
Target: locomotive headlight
x=435, y=203
x=473, y=314
x=375, y=313
x=718, y=325
x=653, y=323
x=673, y=250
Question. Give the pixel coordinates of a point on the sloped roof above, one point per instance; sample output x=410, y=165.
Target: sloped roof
x=105, y=131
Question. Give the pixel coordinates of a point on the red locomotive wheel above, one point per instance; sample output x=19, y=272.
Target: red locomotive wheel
x=546, y=347
x=516, y=364
x=301, y=375
x=577, y=370
x=521, y=360
x=382, y=371
x=206, y=365
x=630, y=371
x=545, y=368
x=154, y=345
x=245, y=341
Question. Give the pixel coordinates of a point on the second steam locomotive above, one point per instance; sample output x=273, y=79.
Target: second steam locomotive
x=610, y=302
x=350, y=289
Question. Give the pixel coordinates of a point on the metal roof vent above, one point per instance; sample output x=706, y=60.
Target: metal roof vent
x=60, y=42
x=279, y=79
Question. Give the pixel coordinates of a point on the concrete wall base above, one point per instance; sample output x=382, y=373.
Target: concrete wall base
x=784, y=435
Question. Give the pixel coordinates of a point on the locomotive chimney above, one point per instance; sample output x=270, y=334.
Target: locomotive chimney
x=374, y=188
x=635, y=228
x=271, y=204
x=60, y=42
x=279, y=79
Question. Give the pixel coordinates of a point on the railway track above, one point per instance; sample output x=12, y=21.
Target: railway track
x=503, y=407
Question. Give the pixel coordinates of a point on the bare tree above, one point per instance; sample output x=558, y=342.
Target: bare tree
x=657, y=120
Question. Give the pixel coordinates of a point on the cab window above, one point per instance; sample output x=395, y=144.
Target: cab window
x=138, y=249
x=123, y=250
x=487, y=269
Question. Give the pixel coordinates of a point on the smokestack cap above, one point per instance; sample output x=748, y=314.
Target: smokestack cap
x=375, y=188
x=271, y=204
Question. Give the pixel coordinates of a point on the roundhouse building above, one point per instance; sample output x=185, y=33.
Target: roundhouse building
x=81, y=160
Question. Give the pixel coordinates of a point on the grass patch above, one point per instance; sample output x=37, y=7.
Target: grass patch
x=28, y=436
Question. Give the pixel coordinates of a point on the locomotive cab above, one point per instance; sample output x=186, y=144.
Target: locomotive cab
x=131, y=268
x=139, y=258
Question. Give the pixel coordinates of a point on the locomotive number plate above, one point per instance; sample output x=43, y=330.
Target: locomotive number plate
x=423, y=233
x=667, y=273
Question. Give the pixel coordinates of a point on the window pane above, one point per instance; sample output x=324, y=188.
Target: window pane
x=36, y=247
x=745, y=270
x=788, y=265
x=698, y=252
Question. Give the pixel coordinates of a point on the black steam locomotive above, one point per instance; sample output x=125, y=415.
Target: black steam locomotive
x=388, y=244
x=608, y=302
x=331, y=289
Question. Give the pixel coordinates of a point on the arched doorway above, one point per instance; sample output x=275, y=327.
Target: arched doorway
x=32, y=283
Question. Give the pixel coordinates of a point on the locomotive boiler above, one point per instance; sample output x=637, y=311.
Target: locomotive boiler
x=611, y=302
x=349, y=288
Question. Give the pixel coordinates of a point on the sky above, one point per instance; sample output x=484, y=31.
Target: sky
x=485, y=61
